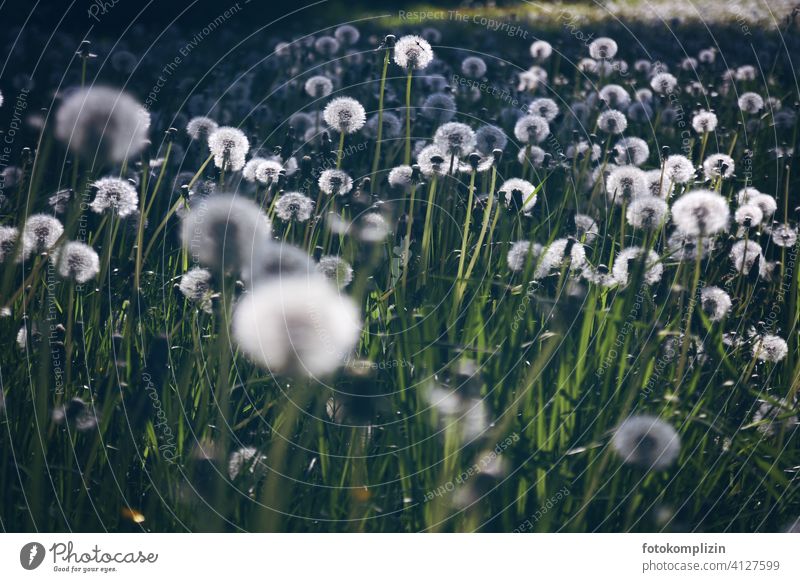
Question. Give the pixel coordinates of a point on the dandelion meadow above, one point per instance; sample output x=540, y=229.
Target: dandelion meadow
x=366, y=267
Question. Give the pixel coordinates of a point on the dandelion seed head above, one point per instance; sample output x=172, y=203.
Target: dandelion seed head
x=653, y=272
x=771, y=417
x=8, y=241
x=336, y=270
x=345, y=115
x=401, y=177
x=326, y=46
x=115, y=195
x=684, y=247
x=229, y=144
x=473, y=67
x=524, y=187
x=541, y=50
x=581, y=149
x=522, y=251
x=718, y=166
x=647, y=212
x=267, y=172
x=489, y=138
x=544, y=107
x=222, y=231
x=586, y=228
x=678, y=169
x=704, y=122
x=751, y=102
x=700, y=213
x=624, y=183
x=615, y=96
x=195, y=285
x=664, y=83
x=413, y=52
x=296, y=325
x=612, y=121
x=533, y=155
x=372, y=227
x=646, y=441
x=748, y=215
x=715, y=302
x=318, y=86
x=603, y=48
x=744, y=254
x=347, y=34
x=78, y=414
x=658, y=184
x=455, y=139
x=439, y=107
x=201, y=127
x=640, y=112
x=335, y=182
x=770, y=348
x=40, y=234
x=247, y=462
x=559, y=253
x=103, y=122
x=433, y=161
x=392, y=126
x=531, y=129
x=294, y=206
x=783, y=236
x=631, y=150
x=77, y=261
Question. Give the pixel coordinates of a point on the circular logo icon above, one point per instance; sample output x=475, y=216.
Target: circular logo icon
x=31, y=555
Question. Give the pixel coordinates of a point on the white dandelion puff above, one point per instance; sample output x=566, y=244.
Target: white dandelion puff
x=631, y=150
x=489, y=138
x=413, y=52
x=400, y=177
x=624, y=183
x=294, y=206
x=704, y=122
x=615, y=96
x=200, y=128
x=612, y=121
x=318, y=86
x=473, y=67
x=336, y=270
x=603, y=48
x=700, y=213
x=526, y=190
x=544, y=107
x=586, y=228
x=77, y=261
x=296, y=325
x=557, y=254
x=653, y=268
x=40, y=234
x=229, y=146
x=267, y=172
x=195, y=285
x=770, y=348
x=744, y=254
x=678, y=169
x=646, y=441
x=541, y=50
x=432, y=161
x=247, y=462
x=115, y=195
x=715, y=302
x=751, y=102
x=9, y=235
x=455, y=139
x=664, y=83
x=344, y=115
x=748, y=215
x=521, y=252
x=647, y=212
x=104, y=122
x=718, y=166
x=783, y=236
x=531, y=129
x=335, y=182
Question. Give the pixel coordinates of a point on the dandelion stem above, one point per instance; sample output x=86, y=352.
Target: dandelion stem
x=407, y=154
x=379, y=138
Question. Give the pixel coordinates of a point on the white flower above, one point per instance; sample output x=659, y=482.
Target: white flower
x=413, y=52
x=400, y=177
x=229, y=145
x=222, y=232
x=473, y=67
x=489, y=138
x=336, y=270
x=318, y=86
x=455, y=138
x=247, y=461
x=716, y=303
x=116, y=195
x=700, y=212
x=520, y=252
x=525, y=188
x=345, y=115
x=544, y=107
x=624, y=183
x=647, y=212
x=8, y=241
x=749, y=215
x=744, y=254
x=40, y=234
x=557, y=254
x=612, y=121
x=294, y=206
x=718, y=165
x=678, y=169
x=770, y=348
x=704, y=122
x=201, y=127
x=783, y=236
x=296, y=325
x=195, y=285
x=267, y=172
x=603, y=48
x=103, y=122
x=432, y=161
x=586, y=228
x=654, y=269
x=664, y=83
x=541, y=50
x=76, y=260
x=335, y=182
x=751, y=102
x=631, y=150
x=531, y=129
x=615, y=96
x=646, y=441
